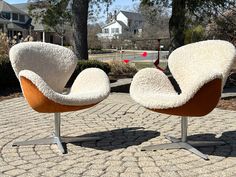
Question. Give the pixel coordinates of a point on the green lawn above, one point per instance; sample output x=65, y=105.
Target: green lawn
x=141, y=65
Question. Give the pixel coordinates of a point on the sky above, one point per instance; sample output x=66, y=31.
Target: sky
x=121, y=4
x=128, y=5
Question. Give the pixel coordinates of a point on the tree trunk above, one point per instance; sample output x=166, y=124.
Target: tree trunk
x=62, y=40
x=80, y=18
x=177, y=24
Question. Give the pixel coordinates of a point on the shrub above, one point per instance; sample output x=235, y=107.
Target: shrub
x=4, y=45
x=121, y=68
x=83, y=64
x=7, y=75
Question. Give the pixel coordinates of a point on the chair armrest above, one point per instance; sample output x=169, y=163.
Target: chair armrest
x=38, y=81
x=152, y=89
x=91, y=80
x=90, y=87
x=151, y=80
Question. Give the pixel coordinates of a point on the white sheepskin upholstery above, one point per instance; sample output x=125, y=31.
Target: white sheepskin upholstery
x=91, y=86
x=49, y=67
x=53, y=63
x=192, y=66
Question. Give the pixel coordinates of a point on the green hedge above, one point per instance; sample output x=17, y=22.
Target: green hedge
x=83, y=64
x=7, y=75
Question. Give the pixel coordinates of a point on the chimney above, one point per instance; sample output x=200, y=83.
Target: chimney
x=115, y=14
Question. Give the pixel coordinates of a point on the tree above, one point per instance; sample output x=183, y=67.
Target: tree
x=80, y=13
x=93, y=41
x=54, y=14
x=223, y=27
x=180, y=8
x=80, y=10
x=80, y=21
x=58, y=18
x=155, y=25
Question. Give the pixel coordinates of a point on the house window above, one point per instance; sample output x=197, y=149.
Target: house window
x=15, y=16
x=9, y=33
x=115, y=30
x=6, y=15
x=106, y=30
x=129, y=22
x=51, y=38
x=41, y=36
x=22, y=18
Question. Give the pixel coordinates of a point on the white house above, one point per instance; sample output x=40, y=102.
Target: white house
x=121, y=23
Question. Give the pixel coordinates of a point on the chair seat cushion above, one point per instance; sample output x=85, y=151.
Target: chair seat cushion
x=152, y=89
x=90, y=87
x=203, y=102
x=39, y=102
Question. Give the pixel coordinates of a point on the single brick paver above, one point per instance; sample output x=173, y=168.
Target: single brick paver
x=124, y=127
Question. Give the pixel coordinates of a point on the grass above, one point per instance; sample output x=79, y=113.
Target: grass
x=141, y=65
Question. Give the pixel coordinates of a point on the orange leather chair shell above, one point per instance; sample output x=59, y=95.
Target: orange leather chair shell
x=203, y=102
x=41, y=103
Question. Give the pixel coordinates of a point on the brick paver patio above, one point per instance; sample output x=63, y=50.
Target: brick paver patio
x=124, y=127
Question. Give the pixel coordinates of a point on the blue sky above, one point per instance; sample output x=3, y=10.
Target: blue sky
x=15, y=1
x=128, y=5
x=124, y=4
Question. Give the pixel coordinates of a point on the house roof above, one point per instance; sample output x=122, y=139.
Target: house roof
x=16, y=26
x=4, y=6
x=3, y=21
x=110, y=23
x=22, y=6
x=122, y=24
x=38, y=26
x=132, y=15
x=116, y=21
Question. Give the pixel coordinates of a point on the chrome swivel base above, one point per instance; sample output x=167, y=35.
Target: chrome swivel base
x=183, y=143
x=56, y=138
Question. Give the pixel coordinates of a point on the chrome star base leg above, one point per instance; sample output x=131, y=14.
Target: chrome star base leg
x=56, y=138
x=183, y=143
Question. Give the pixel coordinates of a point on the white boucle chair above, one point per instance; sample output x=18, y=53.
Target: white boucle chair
x=43, y=70
x=201, y=70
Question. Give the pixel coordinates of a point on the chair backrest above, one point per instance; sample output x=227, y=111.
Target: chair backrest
x=193, y=64
x=53, y=63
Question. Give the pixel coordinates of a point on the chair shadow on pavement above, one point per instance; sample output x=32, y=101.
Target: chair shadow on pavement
x=118, y=138
x=125, y=137
x=226, y=150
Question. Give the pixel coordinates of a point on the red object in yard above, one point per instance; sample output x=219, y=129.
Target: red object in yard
x=156, y=63
x=126, y=61
x=144, y=54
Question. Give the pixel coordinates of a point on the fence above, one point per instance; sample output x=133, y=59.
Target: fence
x=133, y=55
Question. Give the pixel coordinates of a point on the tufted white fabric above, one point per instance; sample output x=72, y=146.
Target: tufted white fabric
x=91, y=86
x=53, y=63
x=194, y=62
x=192, y=66
x=49, y=67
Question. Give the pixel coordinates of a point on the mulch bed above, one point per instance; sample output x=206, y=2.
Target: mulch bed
x=10, y=93
x=13, y=95
x=229, y=104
